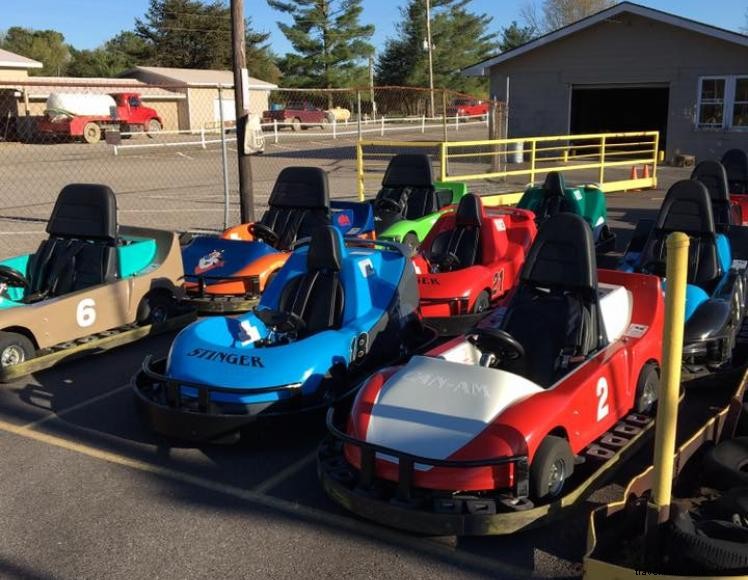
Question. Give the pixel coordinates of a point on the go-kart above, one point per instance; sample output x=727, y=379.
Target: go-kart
x=501, y=421
x=470, y=259
x=587, y=201
x=735, y=162
x=409, y=203
x=716, y=291
x=228, y=273
x=726, y=211
x=90, y=286
x=334, y=309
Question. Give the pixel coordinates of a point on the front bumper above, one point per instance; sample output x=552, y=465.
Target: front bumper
x=226, y=294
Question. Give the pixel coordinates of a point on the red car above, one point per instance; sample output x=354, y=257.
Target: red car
x=471, y=258
x=465, y=107
x=497, y=421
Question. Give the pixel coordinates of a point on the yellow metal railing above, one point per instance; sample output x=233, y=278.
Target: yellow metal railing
x=604, y=158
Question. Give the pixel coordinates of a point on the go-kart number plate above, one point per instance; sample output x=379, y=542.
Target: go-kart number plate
x=85, y=312
x=636, y=330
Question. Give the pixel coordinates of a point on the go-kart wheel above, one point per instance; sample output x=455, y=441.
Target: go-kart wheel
x=155, y=308
x=647, y=387
x=13, y=278
x=262, y=232
x=15, y=349
x=482, y=303
x=387, y=204
x=551, y=468
x=497, y=342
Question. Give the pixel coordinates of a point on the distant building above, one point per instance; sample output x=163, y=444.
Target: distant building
x=629, y=68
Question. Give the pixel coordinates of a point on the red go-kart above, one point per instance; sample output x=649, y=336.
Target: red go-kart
x=736, y=166
x=469, y=260
x=498, y=421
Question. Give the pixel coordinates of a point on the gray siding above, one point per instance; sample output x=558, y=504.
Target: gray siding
x=628, y=49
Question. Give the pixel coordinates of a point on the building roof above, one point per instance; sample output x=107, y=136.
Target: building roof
x=41, y=87
x=197, y=77
x=479, y=69
x=12, y=60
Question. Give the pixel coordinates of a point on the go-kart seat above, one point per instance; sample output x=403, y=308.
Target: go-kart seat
x=299, y=204
x=317, y=296
x=714, y=177
x=463, y=241
x=554, y=198
x=688, y=209
x=81, y=250
x=736, y=165
x=555, y=314
x=408, y=182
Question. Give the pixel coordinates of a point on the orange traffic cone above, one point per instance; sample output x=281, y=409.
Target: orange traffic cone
x=646, y=172
x=634, y=172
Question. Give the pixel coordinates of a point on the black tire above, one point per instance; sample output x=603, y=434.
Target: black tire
x=647, y=388
x=726, y=465
x=553, y=455
x=14, y=349
x=482, y=303
x=411, y=240
x=155, y=308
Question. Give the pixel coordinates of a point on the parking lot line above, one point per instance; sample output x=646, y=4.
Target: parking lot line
x=287, y=507
x=285, y=473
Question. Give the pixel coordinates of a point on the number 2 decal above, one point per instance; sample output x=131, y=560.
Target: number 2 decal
x=85, y=313
x=602, y=399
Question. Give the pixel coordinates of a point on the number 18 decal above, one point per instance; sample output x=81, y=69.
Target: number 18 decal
x=602, y=399
x=85, y=313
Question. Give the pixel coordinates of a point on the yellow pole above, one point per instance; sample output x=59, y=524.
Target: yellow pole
x=672, y=352
x=655, y=156
x=443, y=162
x=601, y=177
x=360, y=172
x=532, y=160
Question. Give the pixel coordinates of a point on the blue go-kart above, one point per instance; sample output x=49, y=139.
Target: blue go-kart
x=338, y=308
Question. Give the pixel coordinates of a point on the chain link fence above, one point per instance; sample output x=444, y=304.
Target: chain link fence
x=169, y=152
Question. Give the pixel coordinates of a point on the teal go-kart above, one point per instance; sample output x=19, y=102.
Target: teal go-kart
x=336, y=310
x=410, y=202
x=586, y=201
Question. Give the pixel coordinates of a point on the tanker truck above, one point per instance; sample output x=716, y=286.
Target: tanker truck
x=90, y=115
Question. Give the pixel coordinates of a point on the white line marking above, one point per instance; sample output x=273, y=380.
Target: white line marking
x=184, y=155
x=285, y=473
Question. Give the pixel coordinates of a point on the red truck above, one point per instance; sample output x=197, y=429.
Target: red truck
x=465, y=107
x=90, y=115
x=298, y=115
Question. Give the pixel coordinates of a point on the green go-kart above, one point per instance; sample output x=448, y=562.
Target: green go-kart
x=587, y=201
x=410, y=202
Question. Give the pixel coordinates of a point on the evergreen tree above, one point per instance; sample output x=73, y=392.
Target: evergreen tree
x=118, y=54
x=515, y=35
x=329, y=42
x=46, y=46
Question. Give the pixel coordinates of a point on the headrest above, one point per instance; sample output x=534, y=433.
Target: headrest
x=469, y=211
x=325, y=249
x=713, y=175
x=554, y=184
x=301, y=187
x=409, y=170
x=736, y=164
x=563, y=255
x=687, y=208
x=85, y=211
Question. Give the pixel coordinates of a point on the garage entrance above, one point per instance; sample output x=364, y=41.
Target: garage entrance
x=606, y=109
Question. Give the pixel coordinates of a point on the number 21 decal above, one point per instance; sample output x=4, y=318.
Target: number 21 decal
x=85, y=313
x=602, y=399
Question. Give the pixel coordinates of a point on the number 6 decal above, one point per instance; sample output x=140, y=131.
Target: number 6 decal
x=602, y=399
x=85, y=313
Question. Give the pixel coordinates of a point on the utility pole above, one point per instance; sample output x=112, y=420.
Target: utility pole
x=371, y=87
x=430, y=48
x=241, y=100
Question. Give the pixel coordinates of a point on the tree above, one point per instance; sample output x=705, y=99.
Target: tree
x=515, y=35
x=45, y=46
x=460, y=38
x=329, y=42
x=555, y=14
x=118, y=54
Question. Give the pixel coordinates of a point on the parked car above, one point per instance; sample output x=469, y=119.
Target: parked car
x=465, y=107
x=297, y=115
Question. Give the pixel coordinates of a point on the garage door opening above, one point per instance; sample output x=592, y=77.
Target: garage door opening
x=620, y=109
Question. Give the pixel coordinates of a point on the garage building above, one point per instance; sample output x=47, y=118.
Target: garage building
x=629, y=68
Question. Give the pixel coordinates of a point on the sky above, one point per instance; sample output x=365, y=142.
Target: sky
x=89, y=23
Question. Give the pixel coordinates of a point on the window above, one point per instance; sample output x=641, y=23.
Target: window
x=722, y=103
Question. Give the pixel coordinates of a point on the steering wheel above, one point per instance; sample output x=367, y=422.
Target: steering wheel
x=447, y=261
x=13, y=278
x=282, y=322
x=389, y=204
x=497, y=342
x=263, y=232
x=654, y=267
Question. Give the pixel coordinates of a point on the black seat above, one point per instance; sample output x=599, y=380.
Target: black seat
x=555, y=313
x=317, y=296
x=736, y=165
x=408, y=182
x=554, y=197
x=299, y=204
x=687, y=208
x=81, y=250
x=459, y=247
x=714, y=177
